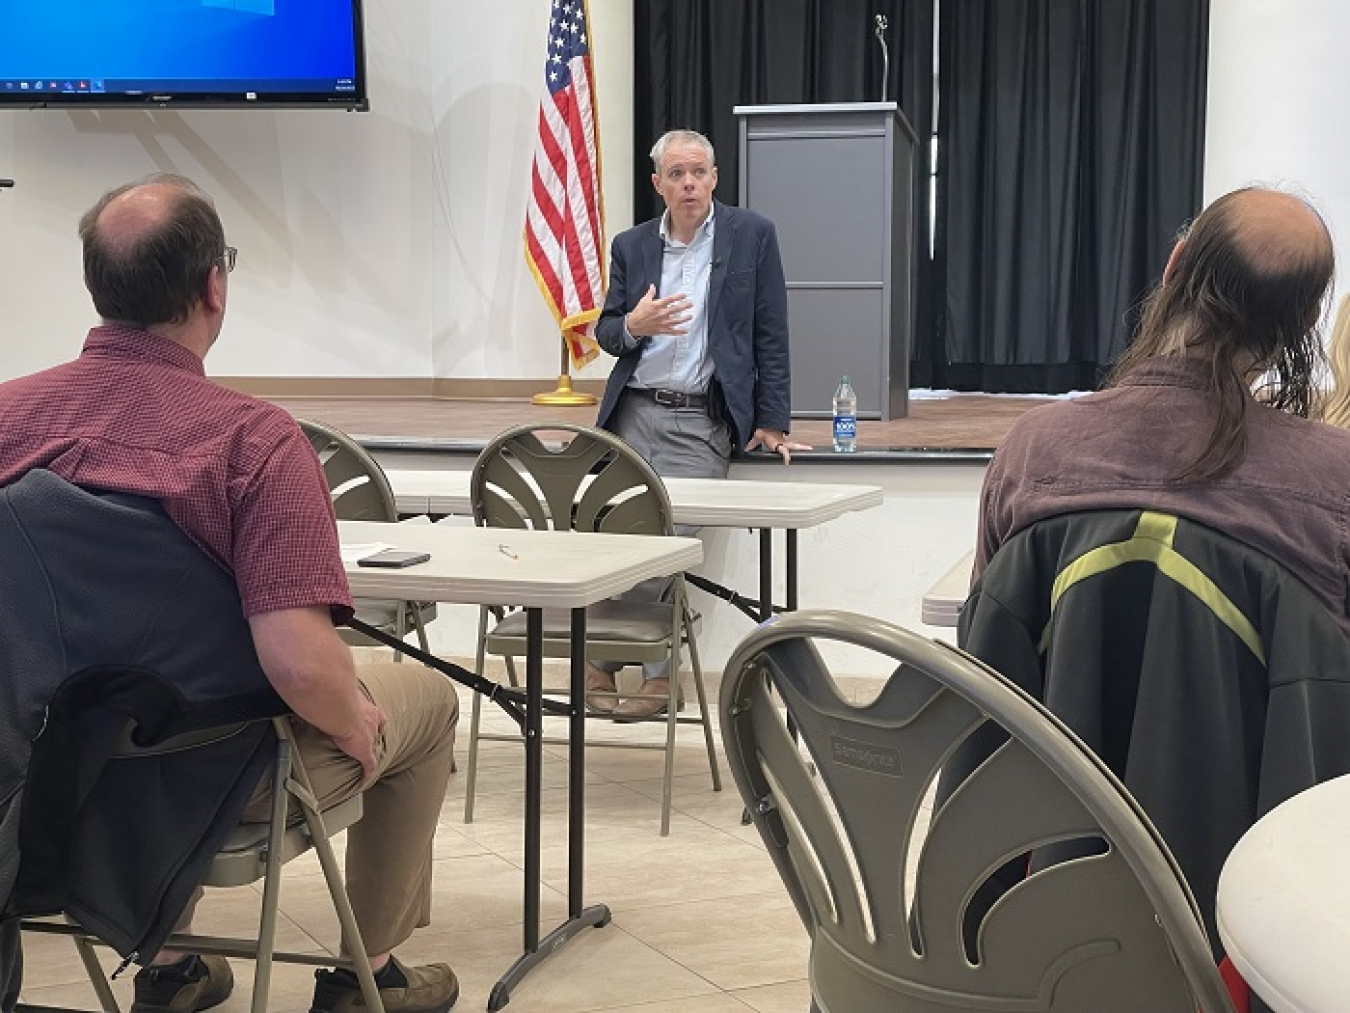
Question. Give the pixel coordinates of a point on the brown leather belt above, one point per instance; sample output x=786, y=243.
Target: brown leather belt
x=670, y=398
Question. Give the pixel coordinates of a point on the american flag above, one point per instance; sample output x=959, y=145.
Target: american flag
x=565, y=220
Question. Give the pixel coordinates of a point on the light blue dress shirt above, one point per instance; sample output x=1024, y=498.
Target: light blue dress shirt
x=681, y=361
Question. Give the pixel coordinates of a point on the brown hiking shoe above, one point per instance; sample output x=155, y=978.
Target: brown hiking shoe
x=430, y=988
x=194, y=983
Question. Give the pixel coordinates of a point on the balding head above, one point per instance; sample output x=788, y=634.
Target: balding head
x=1276, y=233
x=1249, y=278
x=149, y=249
x=1244, y=290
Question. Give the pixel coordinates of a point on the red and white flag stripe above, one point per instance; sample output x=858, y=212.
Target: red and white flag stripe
x=564, y=220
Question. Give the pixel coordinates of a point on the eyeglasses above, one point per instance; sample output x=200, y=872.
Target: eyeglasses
x=229, y=257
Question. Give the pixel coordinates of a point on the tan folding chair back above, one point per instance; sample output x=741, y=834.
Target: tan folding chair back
x=361, y=492
x=356, y=482
x=589, y=480
x=594, y=482
x=1096, y=917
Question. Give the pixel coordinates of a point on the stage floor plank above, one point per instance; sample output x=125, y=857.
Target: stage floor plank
x=960, y=422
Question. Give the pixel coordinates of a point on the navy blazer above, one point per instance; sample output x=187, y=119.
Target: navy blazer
x=747, y=318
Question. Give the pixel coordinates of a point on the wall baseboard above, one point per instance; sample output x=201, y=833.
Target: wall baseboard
x=396, y=387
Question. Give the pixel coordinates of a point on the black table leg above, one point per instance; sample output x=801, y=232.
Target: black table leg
x=536, y=951
x=765, y=574
x=534, y=769
x=576, y=771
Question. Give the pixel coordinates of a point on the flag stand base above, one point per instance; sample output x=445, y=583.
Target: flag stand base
x=564, y=396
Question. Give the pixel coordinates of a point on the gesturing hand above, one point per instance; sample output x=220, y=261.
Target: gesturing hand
x=658, y=314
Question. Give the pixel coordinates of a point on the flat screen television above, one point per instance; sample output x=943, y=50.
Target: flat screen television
x=192, y=53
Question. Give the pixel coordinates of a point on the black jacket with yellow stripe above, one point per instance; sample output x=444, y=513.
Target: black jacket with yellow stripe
x=1209, y=678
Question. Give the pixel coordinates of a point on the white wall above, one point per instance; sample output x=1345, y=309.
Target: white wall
x=1278, y=81
x=378, y=244
x=492, y=321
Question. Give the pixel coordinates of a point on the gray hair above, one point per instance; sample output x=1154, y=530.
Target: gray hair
x=680, y=137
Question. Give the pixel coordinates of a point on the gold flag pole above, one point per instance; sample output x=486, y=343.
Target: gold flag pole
x=564, y=396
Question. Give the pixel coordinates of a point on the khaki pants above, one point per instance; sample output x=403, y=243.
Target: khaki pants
x=388, y=869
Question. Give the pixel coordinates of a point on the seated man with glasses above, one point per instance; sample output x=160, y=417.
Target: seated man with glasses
x=135, y=413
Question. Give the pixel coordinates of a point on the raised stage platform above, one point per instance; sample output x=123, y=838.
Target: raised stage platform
x=940, y=427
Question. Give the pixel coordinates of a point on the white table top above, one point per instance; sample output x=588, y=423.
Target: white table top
x=1284, y=902
x=942, y=602
x=561, y=569
x=702, y=502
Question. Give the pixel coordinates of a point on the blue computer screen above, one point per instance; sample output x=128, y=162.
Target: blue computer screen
x=180, y=48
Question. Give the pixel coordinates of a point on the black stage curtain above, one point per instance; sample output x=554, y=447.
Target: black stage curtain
x=1071, y=145
x=1071, y=152
x=694, y=60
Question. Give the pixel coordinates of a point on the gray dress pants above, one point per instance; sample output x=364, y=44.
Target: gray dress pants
x=677, y=443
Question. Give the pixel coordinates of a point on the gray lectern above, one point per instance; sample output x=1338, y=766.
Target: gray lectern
x=837, y=180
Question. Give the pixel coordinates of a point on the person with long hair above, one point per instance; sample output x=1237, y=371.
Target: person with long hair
x=1336, y=406
x=1178, y=428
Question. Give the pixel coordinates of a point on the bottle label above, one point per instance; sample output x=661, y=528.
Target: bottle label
x=845, y=427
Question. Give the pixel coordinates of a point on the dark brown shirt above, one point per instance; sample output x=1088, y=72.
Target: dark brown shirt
x=1121, y=448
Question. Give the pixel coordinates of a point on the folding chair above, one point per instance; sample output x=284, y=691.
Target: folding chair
x=137, y=723
x=252, y=852
x=595, y=482
x=361, y=493
x=1099, y=918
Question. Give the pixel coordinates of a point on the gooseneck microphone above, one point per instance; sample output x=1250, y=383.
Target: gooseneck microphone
x=882, y=23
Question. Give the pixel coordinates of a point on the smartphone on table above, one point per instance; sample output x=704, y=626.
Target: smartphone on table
x=394, y=558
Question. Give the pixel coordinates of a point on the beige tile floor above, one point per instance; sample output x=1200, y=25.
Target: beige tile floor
x=701, y=923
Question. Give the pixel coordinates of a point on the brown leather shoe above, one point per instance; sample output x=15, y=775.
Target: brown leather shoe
x=653, y=702
x=598, y=681
x=430, y=988
x=194, y=983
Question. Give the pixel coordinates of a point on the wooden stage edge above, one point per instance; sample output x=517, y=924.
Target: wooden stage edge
x=961, y=426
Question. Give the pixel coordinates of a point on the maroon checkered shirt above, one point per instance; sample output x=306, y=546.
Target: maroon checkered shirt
x=136, y=413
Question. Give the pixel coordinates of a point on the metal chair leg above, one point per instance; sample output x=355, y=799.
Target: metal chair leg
x=401, y=617
x=267, y=921
x=672, y=723
x=421, y=629
x=702, y=692
x=471, y=775
x=300, y=789
x=97, y=978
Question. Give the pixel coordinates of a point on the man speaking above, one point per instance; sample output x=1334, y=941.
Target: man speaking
x=697, y=315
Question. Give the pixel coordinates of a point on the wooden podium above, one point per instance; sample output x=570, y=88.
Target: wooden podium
x=837, y=181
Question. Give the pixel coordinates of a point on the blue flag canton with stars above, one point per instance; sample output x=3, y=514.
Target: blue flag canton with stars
x=567, y=40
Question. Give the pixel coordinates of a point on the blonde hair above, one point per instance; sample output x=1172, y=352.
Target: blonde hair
x=1336, y=406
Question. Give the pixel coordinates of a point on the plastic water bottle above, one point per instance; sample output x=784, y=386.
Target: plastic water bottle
x=845, y=418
